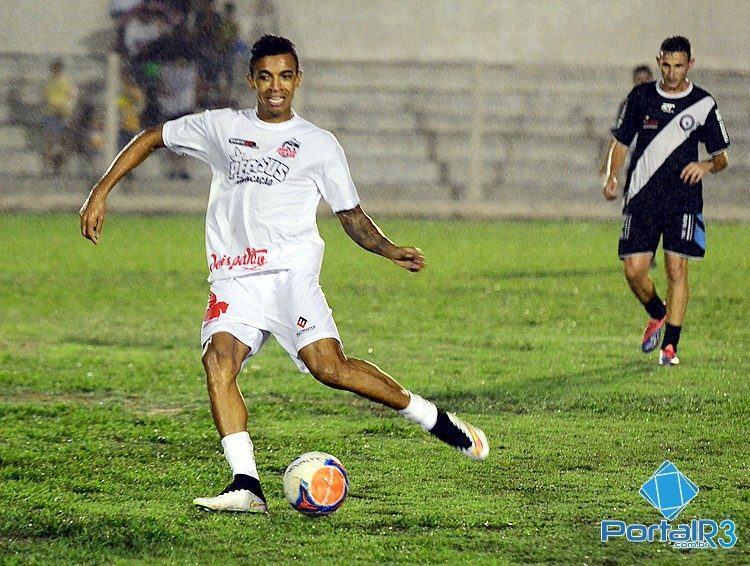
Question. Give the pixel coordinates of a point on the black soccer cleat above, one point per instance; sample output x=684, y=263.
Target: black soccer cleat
x=466, y=438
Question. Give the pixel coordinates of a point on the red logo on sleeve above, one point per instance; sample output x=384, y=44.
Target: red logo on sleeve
x=215, y=308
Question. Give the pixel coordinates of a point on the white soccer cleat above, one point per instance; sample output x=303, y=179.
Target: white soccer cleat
x=464, y=437
x=240, y=500
x=236, y=497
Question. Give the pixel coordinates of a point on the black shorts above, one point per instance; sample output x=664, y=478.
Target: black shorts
x=683, y=234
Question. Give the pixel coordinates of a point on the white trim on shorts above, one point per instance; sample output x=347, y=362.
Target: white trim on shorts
x=686, y=256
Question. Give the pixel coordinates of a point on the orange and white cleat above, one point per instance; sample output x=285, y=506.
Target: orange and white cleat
x=668, y=356
x=652, y=334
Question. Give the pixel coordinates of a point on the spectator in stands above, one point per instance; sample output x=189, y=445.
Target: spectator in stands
x=177, y=97
x=206, y=36
x=131, y=103
x=120, y=8
x=641, y=74
x=142, y=27
x=60, y=96
x=229, y=40
x=87, y=136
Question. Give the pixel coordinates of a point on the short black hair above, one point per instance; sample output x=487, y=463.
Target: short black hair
x=642, y=69
x=676, y=44
x=272, y=45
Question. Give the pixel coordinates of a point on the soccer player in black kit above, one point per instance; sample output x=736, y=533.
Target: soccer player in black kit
x=663, y=195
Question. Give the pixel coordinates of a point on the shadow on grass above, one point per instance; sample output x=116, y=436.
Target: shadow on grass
x=606, y=390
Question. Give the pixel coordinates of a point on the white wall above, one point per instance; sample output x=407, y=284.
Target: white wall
x=586, y=32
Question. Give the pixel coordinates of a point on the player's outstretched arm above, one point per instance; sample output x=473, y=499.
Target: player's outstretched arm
x=617, y=153
x=93, y=210
x=695, y=171
x=360, y=228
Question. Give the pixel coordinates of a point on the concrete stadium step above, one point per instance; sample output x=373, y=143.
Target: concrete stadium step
x=374, y=121
x=327, y=97
x=412, y=193
x=21, y=163
x=392, y=171
x=394, y=145
x=13, y=138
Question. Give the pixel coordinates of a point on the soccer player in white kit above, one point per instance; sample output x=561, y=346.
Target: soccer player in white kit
x=270, y=168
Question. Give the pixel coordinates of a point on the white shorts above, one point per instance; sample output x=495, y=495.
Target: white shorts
x=288, y=304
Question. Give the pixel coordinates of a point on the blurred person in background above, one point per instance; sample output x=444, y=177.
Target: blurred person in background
x=131, y=102
x=119, y=8
x=142, y=27
x=641, y=74
x=206, y=37
x=60, y=95
x=264, y=252
x=229, y=43
x=177, y=97
x=664, y=192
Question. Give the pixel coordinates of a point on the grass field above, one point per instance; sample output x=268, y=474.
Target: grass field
x=527, y=329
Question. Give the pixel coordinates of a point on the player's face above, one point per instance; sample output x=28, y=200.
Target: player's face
x=674, y=68
x=274, y=79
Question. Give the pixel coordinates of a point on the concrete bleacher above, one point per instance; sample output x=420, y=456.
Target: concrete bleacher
x=410, y=131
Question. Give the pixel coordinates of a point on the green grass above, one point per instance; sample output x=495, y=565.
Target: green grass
x=527, y=329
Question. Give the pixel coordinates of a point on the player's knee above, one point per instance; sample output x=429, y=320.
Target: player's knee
x=634, y=272
x=220, y=366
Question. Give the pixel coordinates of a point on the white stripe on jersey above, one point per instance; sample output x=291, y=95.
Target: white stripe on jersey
x=665, y=142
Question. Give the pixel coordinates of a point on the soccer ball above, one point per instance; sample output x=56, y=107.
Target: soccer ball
x=316, y=483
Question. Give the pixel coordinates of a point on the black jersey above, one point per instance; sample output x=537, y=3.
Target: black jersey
x=669, y=128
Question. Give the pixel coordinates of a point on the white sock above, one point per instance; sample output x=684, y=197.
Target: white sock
x=238, y=450
x=420, y=411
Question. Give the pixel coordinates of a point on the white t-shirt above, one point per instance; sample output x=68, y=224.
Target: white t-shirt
x=267, y=182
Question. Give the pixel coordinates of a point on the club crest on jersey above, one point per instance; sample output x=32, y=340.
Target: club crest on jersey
x=245, y=143
x=289, y=148
x=687, y=122
x=667, y=107
x=650, y=123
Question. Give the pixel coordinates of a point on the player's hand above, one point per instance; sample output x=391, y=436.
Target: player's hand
x=409, y=258
x=610, y=188
x=92, y=217
x=694, y=172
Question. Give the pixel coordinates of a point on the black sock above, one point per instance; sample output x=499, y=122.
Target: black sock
x=446, y=431
x=671, y=336
x=242, y=481
x=655, y=307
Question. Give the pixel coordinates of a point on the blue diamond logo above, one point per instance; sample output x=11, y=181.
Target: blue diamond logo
x=669, y=490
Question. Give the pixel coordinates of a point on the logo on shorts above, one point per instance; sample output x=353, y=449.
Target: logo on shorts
x=687, y=122
x=301, y=322
x=215, y=308
x=289, y=148
x=240, y=141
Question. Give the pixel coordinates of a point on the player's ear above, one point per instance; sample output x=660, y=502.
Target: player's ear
x=299, y=77
x=691, y=63
x=250, y=81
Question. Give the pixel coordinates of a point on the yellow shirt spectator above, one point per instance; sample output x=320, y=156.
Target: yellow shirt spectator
x=60, y=96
